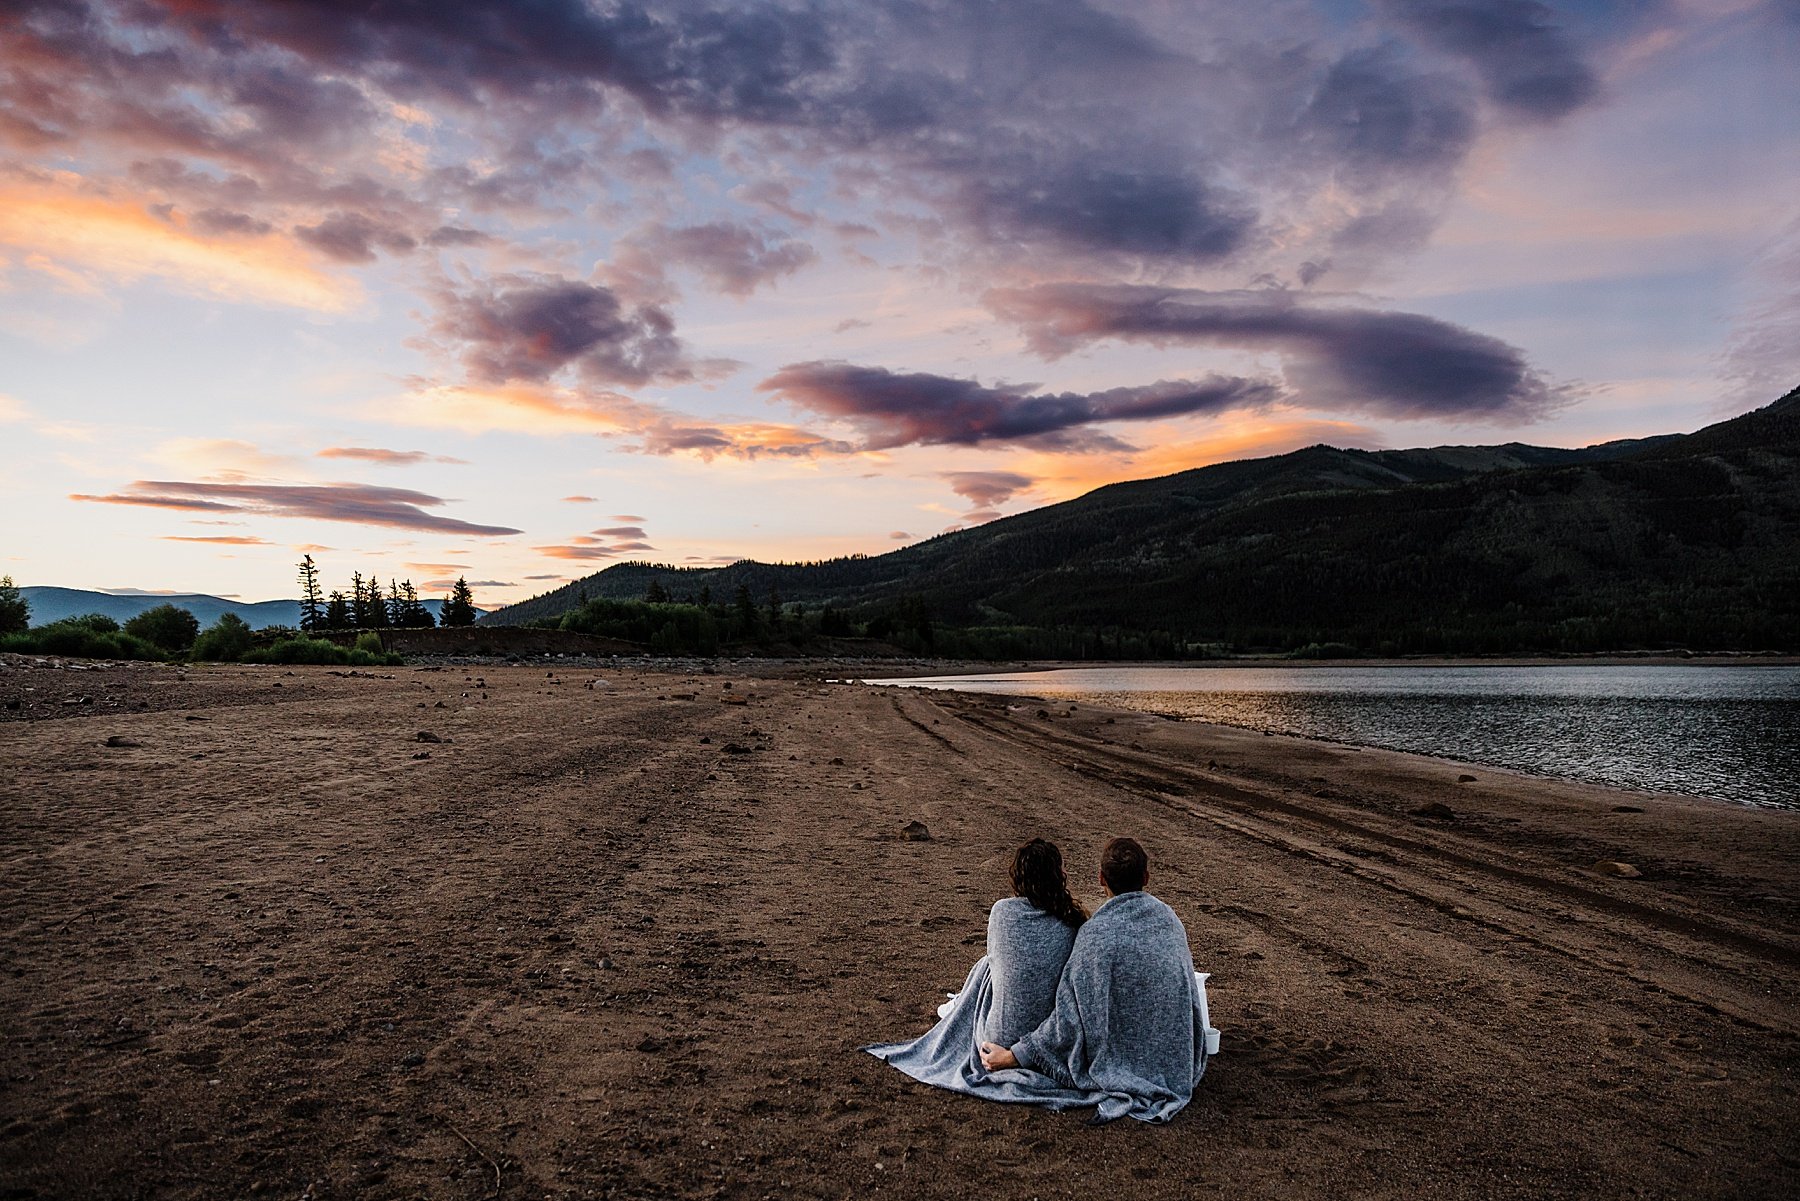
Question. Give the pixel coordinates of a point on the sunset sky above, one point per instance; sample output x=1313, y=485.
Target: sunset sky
x=429, y=288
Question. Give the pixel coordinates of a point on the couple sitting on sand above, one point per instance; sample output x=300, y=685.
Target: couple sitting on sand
x=1067, y=1010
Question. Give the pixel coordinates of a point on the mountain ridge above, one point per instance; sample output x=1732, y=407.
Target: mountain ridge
x=1675, y=539
x=50, y=603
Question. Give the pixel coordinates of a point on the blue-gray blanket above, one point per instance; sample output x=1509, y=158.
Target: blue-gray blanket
x=1126, y=1034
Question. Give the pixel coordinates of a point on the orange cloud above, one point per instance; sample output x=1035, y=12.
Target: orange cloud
x=550, y=409
x=224, y=460
x=220, y=539
x=582, y=553
x=387, y=458
x=522, y=409
x=59, y=225
x=608, y=543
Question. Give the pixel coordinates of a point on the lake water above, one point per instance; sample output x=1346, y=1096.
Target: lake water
x=1732, y=733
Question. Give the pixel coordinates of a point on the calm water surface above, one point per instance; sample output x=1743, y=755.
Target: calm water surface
x=1727, y=732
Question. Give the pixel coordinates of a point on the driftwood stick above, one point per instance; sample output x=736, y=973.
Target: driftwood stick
x=471, y=1144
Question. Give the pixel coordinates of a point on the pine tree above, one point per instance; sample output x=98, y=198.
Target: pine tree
x=459, y=607
x=396, y=606
x=359, y=601
x=378, y=614
x=656, y=594
x=413, y=615
x=311, y=606
x=15, y=610
x=746, y=610
x=337, y=612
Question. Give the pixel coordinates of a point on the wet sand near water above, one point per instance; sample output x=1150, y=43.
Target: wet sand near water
x=623, y=940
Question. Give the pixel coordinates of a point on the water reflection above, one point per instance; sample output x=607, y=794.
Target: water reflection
x=1727, y=732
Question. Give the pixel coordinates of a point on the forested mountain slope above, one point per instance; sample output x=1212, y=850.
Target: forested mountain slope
x=1689, y=540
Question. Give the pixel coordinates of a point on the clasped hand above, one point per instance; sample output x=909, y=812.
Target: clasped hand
x=995, y=1057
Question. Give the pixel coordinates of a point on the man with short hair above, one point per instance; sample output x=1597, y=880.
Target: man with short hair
x=1127, y=1025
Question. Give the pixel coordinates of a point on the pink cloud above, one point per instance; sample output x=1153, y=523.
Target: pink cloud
x=220, y=539
x=386, y=458
x=361, y=504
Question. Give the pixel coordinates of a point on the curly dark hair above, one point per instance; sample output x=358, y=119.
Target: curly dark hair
x=1037, y=875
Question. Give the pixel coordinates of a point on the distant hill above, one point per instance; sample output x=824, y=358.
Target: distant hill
x=1684, y=540
x=54, y=604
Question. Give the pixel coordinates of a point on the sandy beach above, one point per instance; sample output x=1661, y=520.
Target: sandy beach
x=547, y=931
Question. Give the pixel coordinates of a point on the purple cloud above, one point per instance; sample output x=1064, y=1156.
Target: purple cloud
x=1372, y=118
x=1037, y=127
x=362, y=504
x=1527, y=64
x=1400, y=364
x=733, y=258
x=987, y=489
x=228, y=223
x=892, y=409
x=531, y=327
x=456, y=235
x=1153, y=213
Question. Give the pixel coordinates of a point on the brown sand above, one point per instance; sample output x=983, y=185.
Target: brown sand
x=588, y=948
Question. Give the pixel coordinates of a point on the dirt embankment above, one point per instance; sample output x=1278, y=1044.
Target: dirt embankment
x=616, y=934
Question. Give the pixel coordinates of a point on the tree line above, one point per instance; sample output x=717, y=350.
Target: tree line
x=367, y=607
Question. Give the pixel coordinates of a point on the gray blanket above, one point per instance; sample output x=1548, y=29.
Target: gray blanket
x=1129, y=1022
x=1008, y=994
x=1138, y=1050
x=1026, y=952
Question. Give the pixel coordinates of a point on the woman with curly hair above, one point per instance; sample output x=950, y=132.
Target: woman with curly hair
x=1012, y=988
x=1029, y=937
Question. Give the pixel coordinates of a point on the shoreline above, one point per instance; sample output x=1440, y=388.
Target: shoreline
x=619, y=932
x=1745, y=659
x=1120, y=698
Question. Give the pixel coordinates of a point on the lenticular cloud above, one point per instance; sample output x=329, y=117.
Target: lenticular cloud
x=893, y=409
x=1335, y=357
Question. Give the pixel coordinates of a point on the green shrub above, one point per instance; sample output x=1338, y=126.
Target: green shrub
x=171, y=628
x=99, y=623
x=369, y=643
x=93, y=636
x=224, y=641
x=300, y=649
